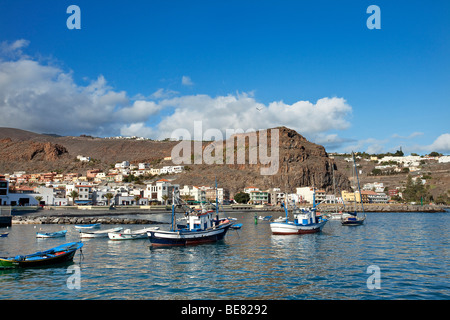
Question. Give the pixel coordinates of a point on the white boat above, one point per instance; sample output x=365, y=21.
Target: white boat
x=280, y=219
x=129, y=234
x=99, y=233
x=335, y=216
x=305, y=221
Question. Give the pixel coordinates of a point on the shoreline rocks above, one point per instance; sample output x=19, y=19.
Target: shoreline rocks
x=79, y=220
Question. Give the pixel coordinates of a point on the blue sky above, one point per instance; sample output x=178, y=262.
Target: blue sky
x=147, y=68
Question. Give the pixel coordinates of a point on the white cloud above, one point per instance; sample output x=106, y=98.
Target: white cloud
x=441, y=144
x=411, y=136
x=13, y=49
x=44, y=98
x=240, y=111
x=186, y=81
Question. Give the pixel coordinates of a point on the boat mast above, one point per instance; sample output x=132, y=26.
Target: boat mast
x=173, y=209
x=334, y=189
x=217, y=202
x=357, y=180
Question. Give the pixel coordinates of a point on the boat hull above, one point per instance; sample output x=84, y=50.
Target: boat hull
x=352, y=222
x=46, y=258
x=58, y=234
x=287, y=228
x=185, y=237
x=99, y=234
x=88, y=226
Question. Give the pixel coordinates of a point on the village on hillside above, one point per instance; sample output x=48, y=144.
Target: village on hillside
x=141, y=184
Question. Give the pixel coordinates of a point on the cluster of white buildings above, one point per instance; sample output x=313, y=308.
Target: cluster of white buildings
x=275, y=196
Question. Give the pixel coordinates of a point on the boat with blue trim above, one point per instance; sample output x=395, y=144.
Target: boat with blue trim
x=306, y=220
x=57, y=234
x=201, y=227
x=59, y=254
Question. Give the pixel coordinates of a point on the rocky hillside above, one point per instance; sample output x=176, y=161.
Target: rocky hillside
x=301, y=163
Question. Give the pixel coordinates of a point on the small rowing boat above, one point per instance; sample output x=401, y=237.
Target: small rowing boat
x=87, y=226
x=129, y=234
x=99, y=233
x=60, y=254
x=236, y=226
x=4, y=235
x=57, y=234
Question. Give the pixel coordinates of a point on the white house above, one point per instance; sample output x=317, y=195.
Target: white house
x=122, y=165
x=15, y=199
x=444, y=159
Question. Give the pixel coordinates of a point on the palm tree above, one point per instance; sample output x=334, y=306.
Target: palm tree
x=136, y=199
x=108, y=197
x=73, y=195
x=165, y=197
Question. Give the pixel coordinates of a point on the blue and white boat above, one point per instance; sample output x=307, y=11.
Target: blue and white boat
x=201, y=227
x=59, y=254
x=305, y=221
x=57, y=234
x=87, y=226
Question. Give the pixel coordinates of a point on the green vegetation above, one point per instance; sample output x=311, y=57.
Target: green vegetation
x=416, y=191
x=242, y=197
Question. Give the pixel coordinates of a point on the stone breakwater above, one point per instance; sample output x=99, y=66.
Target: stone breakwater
x=79, y=220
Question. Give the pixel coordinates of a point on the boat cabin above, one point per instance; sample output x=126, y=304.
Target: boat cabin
x=305, y=217
x=200, y=221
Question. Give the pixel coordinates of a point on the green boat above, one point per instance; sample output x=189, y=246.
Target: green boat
x=60, y=254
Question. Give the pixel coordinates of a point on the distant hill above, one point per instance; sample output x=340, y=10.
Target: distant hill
x=302, y=163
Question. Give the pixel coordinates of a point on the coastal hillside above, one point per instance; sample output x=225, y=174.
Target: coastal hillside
x=301, y=163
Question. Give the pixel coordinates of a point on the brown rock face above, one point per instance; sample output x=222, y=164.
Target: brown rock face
x=301, y=164
x=30, y=151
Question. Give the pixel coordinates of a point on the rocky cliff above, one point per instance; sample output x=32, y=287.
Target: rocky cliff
x=301, y=163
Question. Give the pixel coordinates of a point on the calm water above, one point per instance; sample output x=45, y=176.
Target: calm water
x=411, y=250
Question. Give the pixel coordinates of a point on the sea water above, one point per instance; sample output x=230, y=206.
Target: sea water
x=391, y=256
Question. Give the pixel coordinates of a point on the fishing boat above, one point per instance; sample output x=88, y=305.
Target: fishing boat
x=129, y=234
x=99, y=233
x=57, y=234
x=201, y=227
x=87, y=226
x=351, y=218
x=306, y=220
x=60, y=254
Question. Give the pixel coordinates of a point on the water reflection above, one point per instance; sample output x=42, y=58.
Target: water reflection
x=410, y=249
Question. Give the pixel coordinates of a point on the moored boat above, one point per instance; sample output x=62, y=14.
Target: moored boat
x=87, y=226
x=57, y=234
x=60, y=254
x=201, y=227
x=99, y=233
x=305, y=221
x=129, y=234
x=4, y=234
x=351, y=218
x=236, y=226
